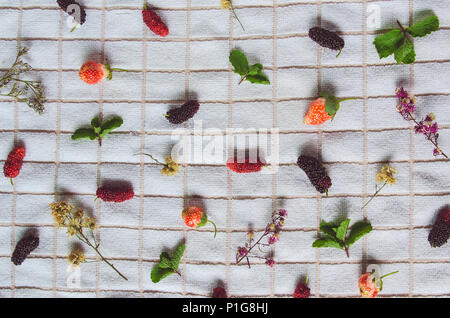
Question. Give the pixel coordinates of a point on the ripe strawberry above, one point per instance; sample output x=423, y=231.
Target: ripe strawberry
x=322, y=109
x=195, y=217
x=368, y=286
x=154, y=22
x=92, y=72
x=246, y=166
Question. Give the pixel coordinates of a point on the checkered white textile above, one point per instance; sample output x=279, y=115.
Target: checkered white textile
x=193, y=62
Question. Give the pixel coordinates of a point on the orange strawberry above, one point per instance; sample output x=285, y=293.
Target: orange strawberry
x=92, y=72
x=322, y=109
x=195, y=217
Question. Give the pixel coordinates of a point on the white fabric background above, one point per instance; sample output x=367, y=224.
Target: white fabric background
x=194, y=59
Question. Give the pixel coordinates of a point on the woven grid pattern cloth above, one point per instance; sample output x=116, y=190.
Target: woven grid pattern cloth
x=193, y=62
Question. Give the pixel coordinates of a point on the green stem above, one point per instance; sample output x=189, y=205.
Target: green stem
x=374, y=195
x=11, y=180
x=74, y=28
x=236, y=17
x=157, y=161
x=215, y=228
x=340, y=51
x=102, y=257
x=119, y=69
x=343, y=100
x=388, y=274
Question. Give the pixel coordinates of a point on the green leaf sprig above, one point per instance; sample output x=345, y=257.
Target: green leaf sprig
x=252, y=73
x=400, y=43
x=335, y=235
x=98, y=129
x=168, y=264
x=27, y=91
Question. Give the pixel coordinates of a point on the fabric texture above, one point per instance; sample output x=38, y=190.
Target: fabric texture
x=192, y=62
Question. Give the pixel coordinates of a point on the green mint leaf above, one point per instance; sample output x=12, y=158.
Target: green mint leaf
x=110, y=125
x=95, y=123
x=327, y=228
x=387, y=43
x=165, y=261
x=328, y=242
x=342, y=230
x=239, y=62
x=258, y=79
x=177, y=255
x=358, y=231
x=255, y=69
x=84, y=133
x=332, y=105
x=159, y=273
x=405, y=53
x=424, y=27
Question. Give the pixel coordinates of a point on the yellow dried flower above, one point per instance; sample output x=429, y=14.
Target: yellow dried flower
x=89, y=222
x=171, y=167
x=78, y=215
x=76, y=257
x=226, y=4
x=60, y=210
x=250, y=235
x=74, y=227
x=386, y=174
x=272, y=226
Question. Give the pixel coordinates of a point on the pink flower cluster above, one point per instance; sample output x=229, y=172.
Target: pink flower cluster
x=271, y=232
x=427, y=127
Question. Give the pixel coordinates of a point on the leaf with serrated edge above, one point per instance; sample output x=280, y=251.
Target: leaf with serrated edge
x=327, y=228
x=258, y=79
x=327, y=243
x=358, y=230
x=177, y=255
x=165, y=261
x=84, y=133
x=387, y=43
x=424, y=27
x=405, y=53
x=239, y=62
x=110, y=125
x=342, y=230
x=159, y=273
x=255, y=69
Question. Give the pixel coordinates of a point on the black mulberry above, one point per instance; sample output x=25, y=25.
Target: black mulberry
x=181, y=114
x=440, y=232
x=64, y=5
x=328, y=39
x=315, y=172
x=23, y=248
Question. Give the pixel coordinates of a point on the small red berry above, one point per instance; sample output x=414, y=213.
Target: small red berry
x=154, y=22
x=14, y=163
x=302, y=291
x=246, y=166
x=92, y=72
x=219, y=292
x=111, y=194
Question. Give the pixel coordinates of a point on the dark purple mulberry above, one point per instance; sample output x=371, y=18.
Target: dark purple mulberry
x=181, y=114
x=315, y=172
x=440, y=232
x=64, y=5
x=328, y=39
x=23, y=248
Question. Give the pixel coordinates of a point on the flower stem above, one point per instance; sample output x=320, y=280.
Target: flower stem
x=249, y=250
x=376, y=193
x=155, y=160
x=236, y=17
x=86, y=240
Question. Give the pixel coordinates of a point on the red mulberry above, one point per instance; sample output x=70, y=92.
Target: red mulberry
x=14, y=163
x=23, y=248
x=315, y=172
x=111, y=194
x=64, y=5
x=154, y=22
x=181, y=114
x=219, y=292
x=302, y=291
x=245, y=167
x=328, y=39
x=440, y=232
